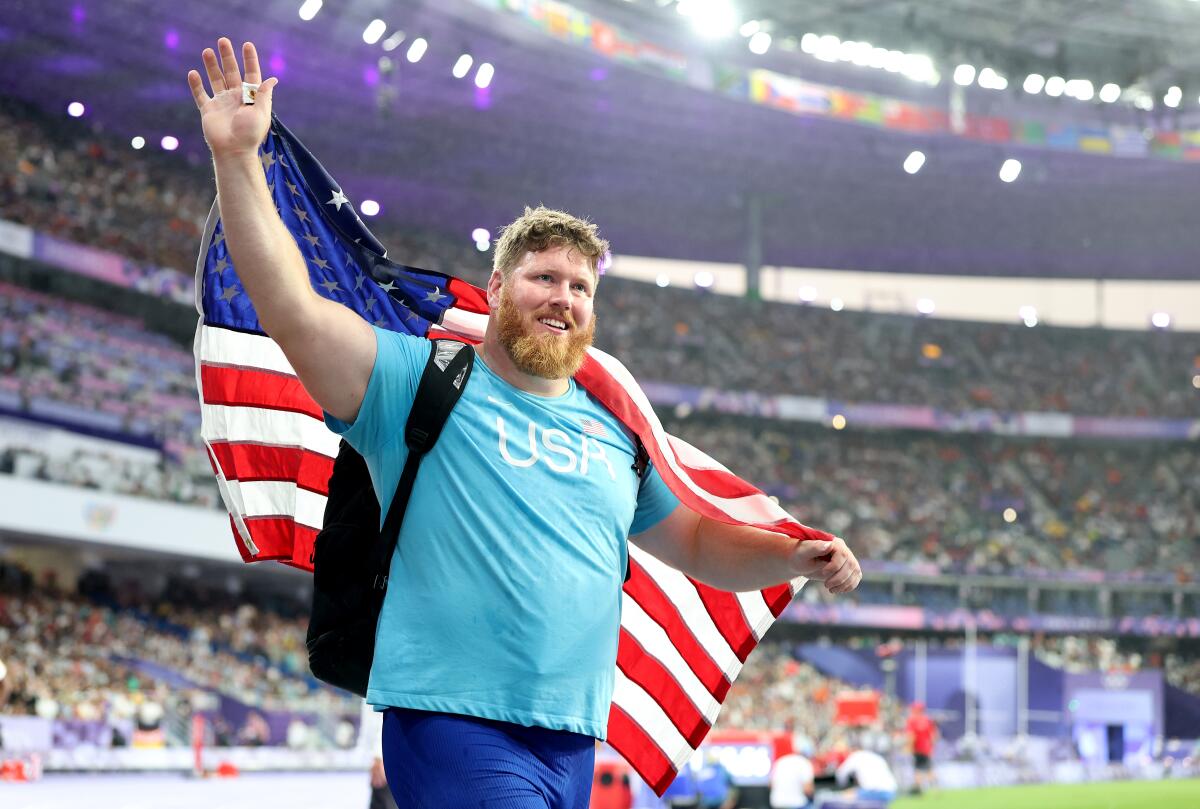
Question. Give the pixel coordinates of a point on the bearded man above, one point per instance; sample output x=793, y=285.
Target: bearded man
x=497, y=640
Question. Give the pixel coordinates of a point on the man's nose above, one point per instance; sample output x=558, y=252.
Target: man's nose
x=560, y=295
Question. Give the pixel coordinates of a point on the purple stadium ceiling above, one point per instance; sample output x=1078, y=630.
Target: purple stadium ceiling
x=665, y=169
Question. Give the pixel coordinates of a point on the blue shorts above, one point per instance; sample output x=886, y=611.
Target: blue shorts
x=446, y=761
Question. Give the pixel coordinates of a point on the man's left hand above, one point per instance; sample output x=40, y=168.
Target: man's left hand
x=836, y=565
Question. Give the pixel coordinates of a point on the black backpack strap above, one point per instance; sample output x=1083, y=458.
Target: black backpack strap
x=442, y=382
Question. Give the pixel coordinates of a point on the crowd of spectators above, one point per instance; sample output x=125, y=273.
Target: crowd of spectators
x=85, y=654
x=64, y=179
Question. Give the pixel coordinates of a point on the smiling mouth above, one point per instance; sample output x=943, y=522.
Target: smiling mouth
x=554, y=325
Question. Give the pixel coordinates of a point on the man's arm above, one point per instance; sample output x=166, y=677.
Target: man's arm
x=741, y=558
x=331, y=349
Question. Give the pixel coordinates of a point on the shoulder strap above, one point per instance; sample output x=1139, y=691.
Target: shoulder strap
x=442, y=382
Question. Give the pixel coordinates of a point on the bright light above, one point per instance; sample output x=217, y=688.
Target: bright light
x=710, y=18
x=393, y=42
x=169, y=142
x=750, y=28
x=878, y=58
x=1010, y=515
x=1160, y=320
x=894, y=62
x=836, y=304
x=1011, y=170
x=369, y=207
x=374, y=31
x=1034, y=83
x=417, y=49
x=925, y=306
x=1081, y=89
x=964, y=75
x=827, y=48
x=1196, y=381
x=808, y=294
x=483, y=76
x=480, y=235
x=663, y=280
x=482, y=245
x=1173, y=97
x=913, y=163
x=137, y=142
x=1055, y=86
x=75, y=109
x=703, y=279
x=1110, y=93
x=991, y=80
x=919, y=67
x=809, y=43
x=463, y=66
x=310, y=9
x=838, y=422
x=760, y=43
x=1028, y=316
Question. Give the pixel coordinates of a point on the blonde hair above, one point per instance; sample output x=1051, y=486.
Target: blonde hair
x=539, y=228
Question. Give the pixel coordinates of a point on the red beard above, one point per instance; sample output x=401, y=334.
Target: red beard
x=541, y=355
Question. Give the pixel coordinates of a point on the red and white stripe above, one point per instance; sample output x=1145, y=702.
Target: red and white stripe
x=681, y=644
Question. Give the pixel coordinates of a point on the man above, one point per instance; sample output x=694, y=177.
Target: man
x=792, y=776
x=922, y=732
x=497, y=639
x=873, y=776
x=370, y=740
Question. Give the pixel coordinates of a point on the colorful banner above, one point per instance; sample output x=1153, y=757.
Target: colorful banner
x=790, y=94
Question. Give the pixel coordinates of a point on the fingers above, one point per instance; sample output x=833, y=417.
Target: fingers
x=196, y=85
x=215, y=79
x=250, y=59
x=809, y=551
x=229, y=65
x=843, y=573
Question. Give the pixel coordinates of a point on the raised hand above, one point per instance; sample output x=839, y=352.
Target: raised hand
x=231, y=127
x=830, y=562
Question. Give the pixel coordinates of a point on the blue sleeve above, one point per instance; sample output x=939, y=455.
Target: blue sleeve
x=399, y=361
x=655, y=501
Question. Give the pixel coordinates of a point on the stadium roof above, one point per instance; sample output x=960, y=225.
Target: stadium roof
x=664, y=167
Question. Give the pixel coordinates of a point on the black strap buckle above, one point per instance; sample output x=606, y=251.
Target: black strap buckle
x=380, y=582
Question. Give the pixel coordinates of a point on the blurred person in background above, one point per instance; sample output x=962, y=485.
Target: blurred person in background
x=792, y=776
x=922, y=733
x=873, y=778
x=456, y=733
x=370, y=739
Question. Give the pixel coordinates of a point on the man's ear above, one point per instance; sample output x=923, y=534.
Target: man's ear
x=495, y=281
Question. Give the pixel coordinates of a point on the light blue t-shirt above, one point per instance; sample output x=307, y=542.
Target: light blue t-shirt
x=504, y=594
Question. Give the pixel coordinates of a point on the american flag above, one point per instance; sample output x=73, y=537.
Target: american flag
x=593, y=427
x=682, y=643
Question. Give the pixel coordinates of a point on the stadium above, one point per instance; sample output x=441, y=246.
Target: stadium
x=920, y=275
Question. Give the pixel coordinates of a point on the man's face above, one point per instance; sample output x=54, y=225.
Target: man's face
x=544, y=312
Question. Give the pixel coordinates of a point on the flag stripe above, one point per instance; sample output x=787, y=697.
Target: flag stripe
x=658, y=607
x=281, y=538
x=278, y=498
x=652, y=677
x=682, y=593
x=259, y=425
x=647, y=713
x=755, y=612
x=253, y=388
x=629, y=739
x=726, y=613
x=222, y=346
x=653, y=639
x=248, y=462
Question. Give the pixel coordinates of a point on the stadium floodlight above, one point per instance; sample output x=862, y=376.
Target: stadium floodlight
x=913, y=163
x=808, y=294
x=964, y=75
x=138, y=142
x=482, y=245
x=1010, y=514
x=169, y=142
x=309, y=9
x=1110, y=93
x=1055, y=85
x=894, y=62
x=1034, y=83
x=703, y=279
x=827, y=48
x=712, y=19
x=374, y=31
x=1011, y=170
x=750, y=28
x=369, y=207
x=837, y=304
x=988, y=78
x=483, y=76
x=663, y=280
x=75, y=109
x=809, y=43
x=919, y=68
x=463, y=66
x=925, y=306
x=1028, y=316
x=1081, y=89
x=393, y=42
x=1196, y=381
x=838, y=422
x=480, y=235
x=1160, y=320
x=760, y=43
x=878, y=58
x=417, y=49
x=1173, y=97
x=861, y=54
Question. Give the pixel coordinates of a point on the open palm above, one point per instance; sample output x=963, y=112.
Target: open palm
x=230, y=126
